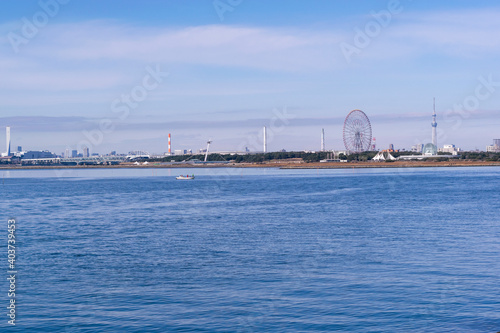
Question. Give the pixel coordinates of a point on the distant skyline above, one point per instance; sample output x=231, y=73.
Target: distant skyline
x=123, y=75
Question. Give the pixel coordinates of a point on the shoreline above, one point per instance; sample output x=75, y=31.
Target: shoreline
x=280, y=165
x=394, y=165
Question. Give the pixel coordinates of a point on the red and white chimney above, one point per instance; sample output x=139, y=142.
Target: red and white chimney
x=169, y=144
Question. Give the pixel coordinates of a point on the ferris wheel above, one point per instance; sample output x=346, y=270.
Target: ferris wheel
x=357, y=132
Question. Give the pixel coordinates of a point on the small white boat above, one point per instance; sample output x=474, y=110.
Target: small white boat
x=185, y=177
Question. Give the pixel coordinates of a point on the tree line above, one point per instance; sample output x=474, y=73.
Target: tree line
x=314, y=157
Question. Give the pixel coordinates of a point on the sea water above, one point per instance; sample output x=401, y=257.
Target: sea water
x=253, y=250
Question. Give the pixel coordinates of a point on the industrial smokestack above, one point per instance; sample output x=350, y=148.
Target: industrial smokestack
x=322, y=139
x=7, y=134
x=169, y=144
x=265, y=140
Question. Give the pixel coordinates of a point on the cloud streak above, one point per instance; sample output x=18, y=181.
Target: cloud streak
x=65, y=124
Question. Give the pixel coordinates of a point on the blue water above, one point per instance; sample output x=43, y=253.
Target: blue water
x=254, y=250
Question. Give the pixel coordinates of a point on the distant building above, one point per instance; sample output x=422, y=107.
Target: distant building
x=95, y=154
x=19, y=149
x=495, y=148
x=418, y=148
x=38, y=154
x=66, y=153
x=181, y=151
x=337, y=153
x=86, y=152
x=138, y=152
x=7, y=141
x=113, y=153
x=450, y=149
x=7, y=133
x=430, y=149
x=74, y=153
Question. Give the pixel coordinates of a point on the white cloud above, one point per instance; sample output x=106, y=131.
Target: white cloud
x=457, y=34
x=104, y=54
x=218, y=45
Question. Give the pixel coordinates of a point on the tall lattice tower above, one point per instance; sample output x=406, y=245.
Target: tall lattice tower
x=434, y=126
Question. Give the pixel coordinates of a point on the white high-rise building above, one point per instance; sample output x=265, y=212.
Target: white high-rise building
x=7, y=133
x=322, y=139
x=265, y=140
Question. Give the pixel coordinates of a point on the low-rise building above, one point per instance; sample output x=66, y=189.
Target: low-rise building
x=495, y=147
x=33, y=154
x=451, y=149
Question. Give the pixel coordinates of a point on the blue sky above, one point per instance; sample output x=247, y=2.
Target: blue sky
x=63, y=85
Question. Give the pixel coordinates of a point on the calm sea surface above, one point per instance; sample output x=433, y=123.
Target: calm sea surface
x=254, y=250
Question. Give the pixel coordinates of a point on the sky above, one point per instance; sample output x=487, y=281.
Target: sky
x=121, y=75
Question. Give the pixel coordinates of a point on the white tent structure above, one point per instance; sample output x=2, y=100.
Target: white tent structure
x=379, y=157
x=383, y=156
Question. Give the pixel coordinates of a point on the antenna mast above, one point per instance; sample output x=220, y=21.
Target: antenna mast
x=434, y=126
